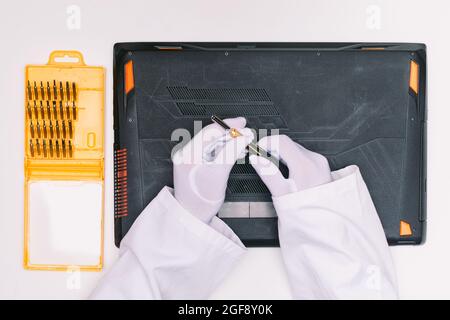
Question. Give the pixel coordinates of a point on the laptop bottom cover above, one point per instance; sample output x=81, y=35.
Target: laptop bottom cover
x=353, y=106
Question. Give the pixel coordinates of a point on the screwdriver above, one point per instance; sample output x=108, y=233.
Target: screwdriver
x=235, y=133
x=252, y=146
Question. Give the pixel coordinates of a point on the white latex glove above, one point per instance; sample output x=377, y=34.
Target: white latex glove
x=202, y=167
x=331, y=238
x=307, y=169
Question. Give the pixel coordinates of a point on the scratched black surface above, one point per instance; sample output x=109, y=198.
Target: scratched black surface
x=353, y=107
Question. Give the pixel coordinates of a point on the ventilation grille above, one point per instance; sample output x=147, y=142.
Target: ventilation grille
x=120, y=183
x=244, y=168
x=245, y=181
x=227, y=94
x=249, y=185
x=223, y=102
x=247, y=169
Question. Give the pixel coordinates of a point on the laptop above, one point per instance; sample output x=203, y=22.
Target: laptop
x=355, y=103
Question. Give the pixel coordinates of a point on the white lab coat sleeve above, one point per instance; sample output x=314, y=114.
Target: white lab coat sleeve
x=333, y=243
x=170, y=254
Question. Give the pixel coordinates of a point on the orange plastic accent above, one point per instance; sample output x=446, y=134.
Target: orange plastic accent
x=414, y=76
x=405, y=229
x=129, y=77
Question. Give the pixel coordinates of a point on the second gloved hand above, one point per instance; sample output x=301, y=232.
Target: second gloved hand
x=202, y=167
x=307, y=169
x=331, y=237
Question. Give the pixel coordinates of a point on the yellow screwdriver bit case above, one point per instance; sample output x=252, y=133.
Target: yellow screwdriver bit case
x=64, y=164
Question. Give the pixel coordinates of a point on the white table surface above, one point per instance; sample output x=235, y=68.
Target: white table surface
x=30, y=30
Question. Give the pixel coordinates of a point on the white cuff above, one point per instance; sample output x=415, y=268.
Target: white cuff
x=182, y=256
x=217, y=233
x=343, y=181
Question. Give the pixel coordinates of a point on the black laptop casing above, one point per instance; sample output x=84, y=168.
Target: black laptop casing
x=351, y=102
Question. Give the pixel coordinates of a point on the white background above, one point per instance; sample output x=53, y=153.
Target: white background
x=30, y=30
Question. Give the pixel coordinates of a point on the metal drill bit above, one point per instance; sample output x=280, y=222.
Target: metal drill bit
x=49, y=115
x=44, y=147
x=42, y=110
x=44, y=129
x=74, y=109
x=38, y=148
x=67, y=110
x=55, y=114
x=35, y=91
x=31, y=129
x=63, y=129
x=57, y=148
x=31, y=148
x=30, y=114
x=74, y=91
x=49, y=93
x=35, y=109
x=38, y=129
x=67, y=90
x=50, y=147
x=57, y=129
x=51, y=129
x=30, y=95
x=64, y=148
x=61, y=111
x=70, y=129
x=70, y=149
x=42, y=91
x=55, y=93
x=61, y=91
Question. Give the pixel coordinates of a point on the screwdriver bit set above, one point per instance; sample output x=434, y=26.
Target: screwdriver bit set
x=63, y=144
x=51, y=117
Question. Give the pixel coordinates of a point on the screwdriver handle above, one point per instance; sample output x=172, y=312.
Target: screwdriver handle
x=254, y=147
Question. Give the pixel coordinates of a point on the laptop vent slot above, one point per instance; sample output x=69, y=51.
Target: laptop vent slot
x=247, y=169
x=249, y=185
x=243, y=168
x=223, y=102
x=228, y=94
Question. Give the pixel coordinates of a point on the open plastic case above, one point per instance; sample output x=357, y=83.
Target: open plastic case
x=64, y=164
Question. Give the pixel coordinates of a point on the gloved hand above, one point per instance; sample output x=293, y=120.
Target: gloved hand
x=202, y=167
x=307, y=169
x=331, y=238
